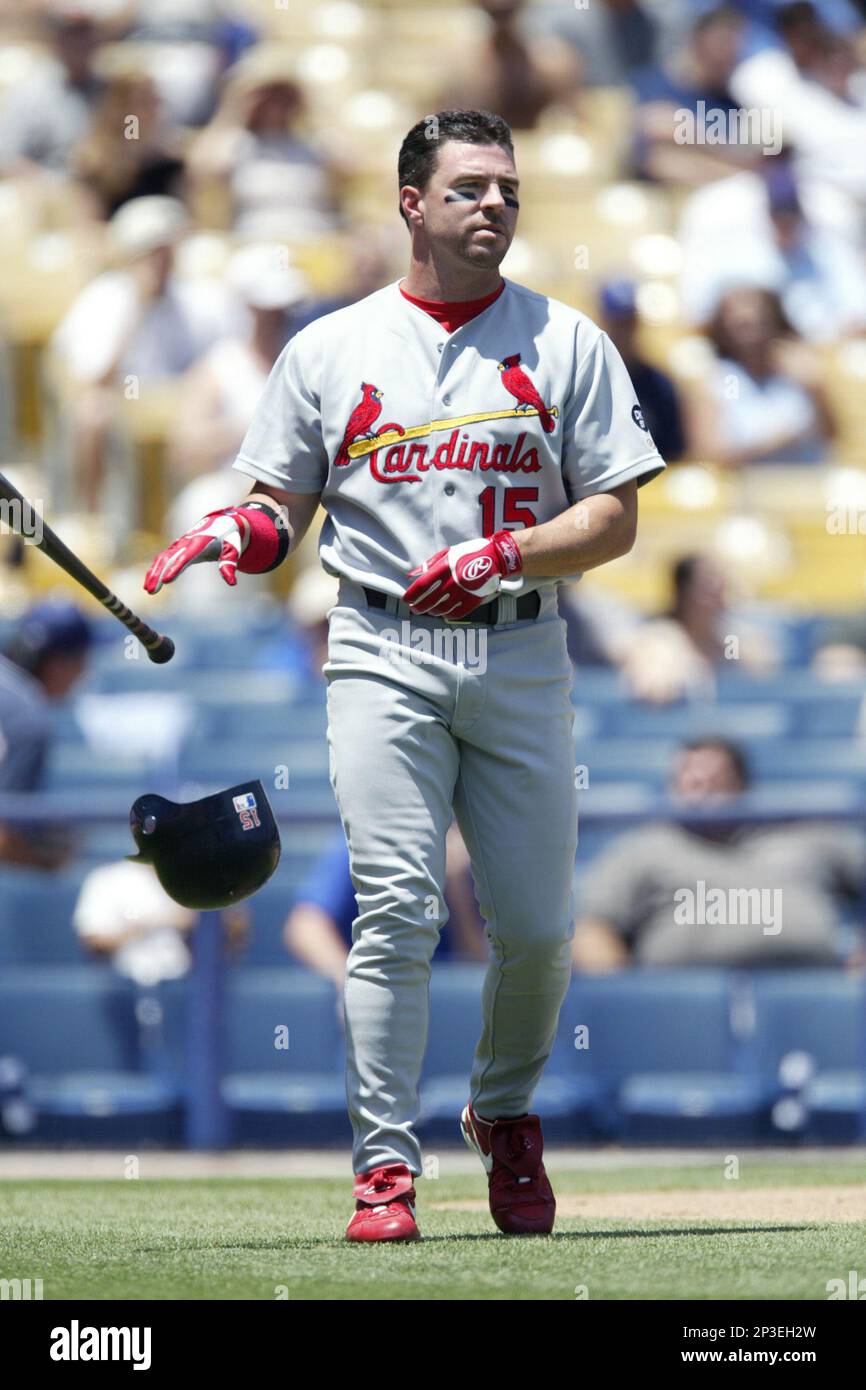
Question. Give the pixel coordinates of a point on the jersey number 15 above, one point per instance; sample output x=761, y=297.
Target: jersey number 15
x=512, y=511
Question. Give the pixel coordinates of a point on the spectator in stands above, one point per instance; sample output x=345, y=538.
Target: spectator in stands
x=599, y=626
x=753, y=231
x=763, y=401
x=220, y=391
x=677, y=893
x=814, y=87
x=254, y=168
x=687, y=99
x=45, y=657
x=318, y=930
x=43, y=117
x=123, y=913
x=820, y=52
x=655, y=391
x=676, y=656
x=512, y=70
x=117, y=161
x=134, y=325
x=201, y=38
x=614, y=39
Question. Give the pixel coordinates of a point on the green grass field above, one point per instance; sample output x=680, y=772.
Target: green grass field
x=224, y=1238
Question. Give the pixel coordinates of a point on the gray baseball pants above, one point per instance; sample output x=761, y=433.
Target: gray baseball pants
x=429, y=720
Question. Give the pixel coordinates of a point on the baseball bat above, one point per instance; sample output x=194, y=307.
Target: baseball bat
x=158, y=648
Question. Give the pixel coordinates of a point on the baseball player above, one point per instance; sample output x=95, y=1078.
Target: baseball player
x=471, y=443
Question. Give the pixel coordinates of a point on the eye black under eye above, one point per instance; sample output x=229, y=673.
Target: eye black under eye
x=509, y=195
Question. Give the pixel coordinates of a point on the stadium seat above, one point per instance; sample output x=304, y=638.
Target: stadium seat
x=298, y=721
x=305, y=763
x=284, y=1094
x=76, y=765
x=787, y=687
x=835, y=1105
x=782, y=759
x=689, y=719
x=661, y=1043
x=268, y=911
x=567, y=1102
x=647, y=760
x=832, y=716
x=74, y=1029
x=819, y=1017
x=36, y=917
x=771, y=759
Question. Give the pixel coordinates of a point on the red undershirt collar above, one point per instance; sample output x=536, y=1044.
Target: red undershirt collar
x=452, y=314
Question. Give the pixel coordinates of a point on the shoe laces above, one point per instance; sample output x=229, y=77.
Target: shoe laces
x=383, y=1181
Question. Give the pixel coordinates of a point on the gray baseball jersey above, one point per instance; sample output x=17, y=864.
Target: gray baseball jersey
x=417, y=439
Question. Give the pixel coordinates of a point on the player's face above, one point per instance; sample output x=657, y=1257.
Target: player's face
x=469, y=206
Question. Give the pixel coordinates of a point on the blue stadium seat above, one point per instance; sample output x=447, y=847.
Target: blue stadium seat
x=293, y=1094
x=821, y=1013
x=598, y=685
x=232, y=762
x=649, y=760
x=268, y=911
x=827, y=715
x=567, y=1102
x=692, y=719
x=787, y=686
x=75, y=765
x=36, y=917
x=646, y=761
x=661, y=1042
x=281, y=720
x=835, y=1105
x=74, y=1028
x=801, y=759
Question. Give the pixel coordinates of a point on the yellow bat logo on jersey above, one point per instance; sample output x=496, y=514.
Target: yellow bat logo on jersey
x=364, y=437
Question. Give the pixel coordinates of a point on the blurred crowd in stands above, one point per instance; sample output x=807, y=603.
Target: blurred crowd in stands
x=184, y=185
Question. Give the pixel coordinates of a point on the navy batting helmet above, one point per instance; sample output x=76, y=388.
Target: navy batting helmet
x=209, y=853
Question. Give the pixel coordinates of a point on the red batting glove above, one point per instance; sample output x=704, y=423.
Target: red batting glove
x=224, y=536
x=455, y=581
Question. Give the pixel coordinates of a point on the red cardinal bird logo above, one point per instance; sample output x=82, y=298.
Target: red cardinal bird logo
x=517, y=383
x=361, y=421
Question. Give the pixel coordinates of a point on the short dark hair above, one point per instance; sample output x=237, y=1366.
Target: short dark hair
x=418, y=152
x=717, y=332
x=794, y=16
x=682, y=575
x=732, y=751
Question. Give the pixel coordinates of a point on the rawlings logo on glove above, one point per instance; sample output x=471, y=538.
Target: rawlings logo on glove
x=454, y=582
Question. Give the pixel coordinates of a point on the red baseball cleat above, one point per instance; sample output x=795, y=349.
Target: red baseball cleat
x=521, y=1198
x=385, y=1205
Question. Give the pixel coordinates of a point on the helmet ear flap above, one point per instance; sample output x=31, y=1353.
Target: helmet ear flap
x=209, y=853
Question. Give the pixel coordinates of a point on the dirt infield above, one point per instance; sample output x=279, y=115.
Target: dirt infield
x=731, y=1203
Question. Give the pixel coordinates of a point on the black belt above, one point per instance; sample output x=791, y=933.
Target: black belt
x=527, y=606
